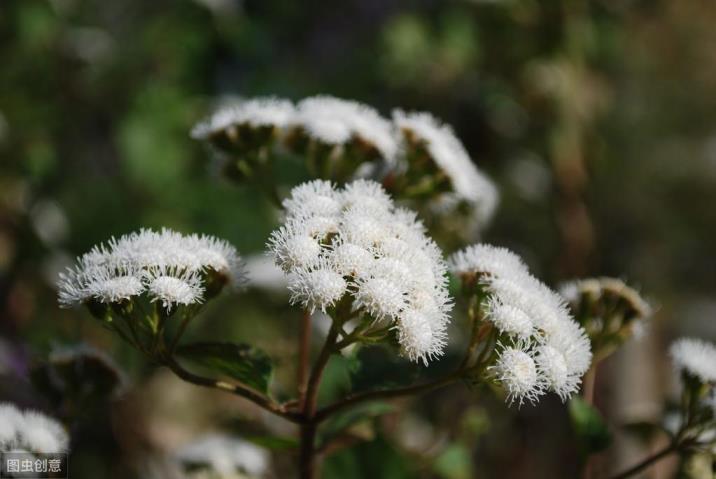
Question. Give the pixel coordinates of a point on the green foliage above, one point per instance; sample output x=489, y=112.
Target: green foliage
x=241, y=362
x=589, y=426
x=377, y=458
x=454, y=462
x=342, y=422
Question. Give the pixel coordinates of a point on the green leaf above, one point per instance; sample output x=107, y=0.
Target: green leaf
x=241, y=362
x=454, y=462
x=589, y=426
x=378, y=458
x=350, y=418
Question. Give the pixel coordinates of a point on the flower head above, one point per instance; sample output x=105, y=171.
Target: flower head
x=374, y=254
x=256, y=113
x=449, y=156
x=334, y=121
x=609, y=309
x=518, y=372
x=531, y=318
x=695, y=357
x=30, y=431
x=166, y=265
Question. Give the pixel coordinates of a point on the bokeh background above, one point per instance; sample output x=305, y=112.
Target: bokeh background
x=597, y=119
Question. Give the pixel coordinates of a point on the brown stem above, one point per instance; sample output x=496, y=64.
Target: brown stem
x=307, y=457
x=304, y=349
x=673, y=447
x=588, y=384
x=386, y=394
x=237, y=389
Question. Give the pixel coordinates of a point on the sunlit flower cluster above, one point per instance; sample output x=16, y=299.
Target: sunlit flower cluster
x=30, y=431
x=541, y=347
x=170, y=268
x=340, y=124
x=451, y=159
x=355, y=242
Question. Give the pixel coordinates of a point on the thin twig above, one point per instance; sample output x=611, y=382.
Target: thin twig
x=673, y=447
x=237, y=389
x=386, y=394
x=307, y=458
x=304, y=350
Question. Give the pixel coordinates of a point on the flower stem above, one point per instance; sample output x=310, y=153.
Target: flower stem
x=387, y=394
x=304, y=349
x=237, y=389
x=307, y=455
x=673, y=447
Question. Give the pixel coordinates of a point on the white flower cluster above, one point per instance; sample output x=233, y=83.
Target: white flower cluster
x=695, y=357
x=334, y=121
x=256, y=112
x=597, y=287
x=226, y=456
x=450, y=157
x=545, y=348
x=355, y=241
x=30, y=431
x=327, y=119
x=166, y=265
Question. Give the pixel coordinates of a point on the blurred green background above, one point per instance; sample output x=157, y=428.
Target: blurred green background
x=597, y=120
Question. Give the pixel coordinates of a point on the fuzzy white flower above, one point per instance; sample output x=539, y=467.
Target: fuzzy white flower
x=256, y=112
x=30, y=431
x=695, y=357
x=226, y=455
x=530, y=317
x=519, y=374
x=450, y=157
x=168, y=266
x=377, y=254
x=173, y=287
x=336, y=122
x=316, y=288
x=486, y=259
x=509, y=319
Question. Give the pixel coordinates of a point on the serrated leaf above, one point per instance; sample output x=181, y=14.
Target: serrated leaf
x=241, y=362
x=589, y=426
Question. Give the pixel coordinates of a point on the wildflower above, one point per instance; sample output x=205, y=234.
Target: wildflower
x=375, y=254
x=518, y=372
x=609, y=310
x=449, y=159
x=337, y=122
x=30, y=431
x=532, y=320
x=167, y=266
x=256, y=113
x=696, y=358
x=171, y=286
